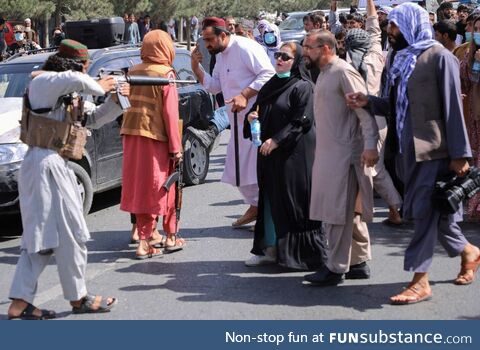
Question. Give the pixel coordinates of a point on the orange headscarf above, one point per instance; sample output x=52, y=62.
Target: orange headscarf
x=157, y=47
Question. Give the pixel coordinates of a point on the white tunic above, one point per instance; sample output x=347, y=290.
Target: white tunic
x=244, y=63
x=48, y=189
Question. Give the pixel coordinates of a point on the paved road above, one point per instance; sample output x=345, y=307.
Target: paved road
x=208, y=280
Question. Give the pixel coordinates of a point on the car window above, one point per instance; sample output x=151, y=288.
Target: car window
x=136, y=60
x=14, y=78
x=121, y=63
x=183, y=67
x=292, y=23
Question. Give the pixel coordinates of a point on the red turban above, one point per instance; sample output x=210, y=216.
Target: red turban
x=214, y=22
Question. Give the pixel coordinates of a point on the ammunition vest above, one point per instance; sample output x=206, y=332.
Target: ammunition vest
x=67, y=137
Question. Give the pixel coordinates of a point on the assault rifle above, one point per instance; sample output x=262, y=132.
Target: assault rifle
x=122, y=77
x=176, y=178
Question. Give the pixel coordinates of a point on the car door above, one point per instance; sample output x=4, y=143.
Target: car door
x=108, y=142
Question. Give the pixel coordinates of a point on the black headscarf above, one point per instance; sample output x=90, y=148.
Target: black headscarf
x=276, y=86
x=273, y=88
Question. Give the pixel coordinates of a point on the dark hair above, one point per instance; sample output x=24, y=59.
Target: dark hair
x=56, y=63
x=464, y=8
x=218, y=30
x=446, y=26
x=340, y=35
x=2, y=21
x=445, y=6
x=316, y=18
x=342, y=19
x=357, y=17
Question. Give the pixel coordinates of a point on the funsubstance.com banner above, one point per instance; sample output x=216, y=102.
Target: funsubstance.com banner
x=224, y=335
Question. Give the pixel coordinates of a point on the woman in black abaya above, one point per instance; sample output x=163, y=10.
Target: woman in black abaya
x=283, y=231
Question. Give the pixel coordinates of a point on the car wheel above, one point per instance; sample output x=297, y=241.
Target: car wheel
x=196, y=161
x=84, y=185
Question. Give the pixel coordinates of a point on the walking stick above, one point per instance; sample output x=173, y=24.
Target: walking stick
x=237, y=158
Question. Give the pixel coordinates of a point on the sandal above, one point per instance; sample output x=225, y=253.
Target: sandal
x=92, y=304
x=413, y=294
x=152, y=252
x=28, y=314
x=158, y=243
x=178, y=244
x=464, y=279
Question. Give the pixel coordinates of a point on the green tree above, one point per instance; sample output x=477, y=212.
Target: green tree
x=21, y=9
x=86, y=9
x=137, y=7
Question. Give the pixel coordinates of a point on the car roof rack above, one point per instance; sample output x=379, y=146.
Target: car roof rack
x=31, y=52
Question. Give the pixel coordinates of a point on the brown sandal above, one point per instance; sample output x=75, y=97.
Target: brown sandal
x=413, y=294
x=464, y=278
x=178, y=244
x=158, y=243
x=151, y=252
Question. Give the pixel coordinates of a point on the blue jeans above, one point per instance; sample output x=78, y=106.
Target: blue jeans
x=220, y=119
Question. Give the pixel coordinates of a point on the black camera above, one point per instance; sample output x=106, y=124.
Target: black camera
x=450, y=192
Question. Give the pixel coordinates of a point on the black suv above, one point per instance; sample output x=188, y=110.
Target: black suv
x=101, y=167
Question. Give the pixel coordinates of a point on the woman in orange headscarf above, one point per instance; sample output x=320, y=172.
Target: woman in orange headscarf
x=152, y=146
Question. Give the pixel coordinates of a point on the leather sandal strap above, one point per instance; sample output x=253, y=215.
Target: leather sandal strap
x=471, y=265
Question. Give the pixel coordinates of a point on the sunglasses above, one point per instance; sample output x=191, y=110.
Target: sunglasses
x=283, y=55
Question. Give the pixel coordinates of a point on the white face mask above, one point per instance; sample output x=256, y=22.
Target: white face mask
x=18, y=36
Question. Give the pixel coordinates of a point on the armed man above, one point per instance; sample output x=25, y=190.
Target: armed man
x=50, y=201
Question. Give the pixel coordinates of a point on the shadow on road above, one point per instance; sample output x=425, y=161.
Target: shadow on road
x=106, y=199
x=232, y=282
x=11, y=227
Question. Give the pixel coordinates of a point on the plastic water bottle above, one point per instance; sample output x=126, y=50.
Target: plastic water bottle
x=255, y=130
x=475, y=76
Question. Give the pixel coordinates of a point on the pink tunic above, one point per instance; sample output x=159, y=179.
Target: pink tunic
x=147, y=164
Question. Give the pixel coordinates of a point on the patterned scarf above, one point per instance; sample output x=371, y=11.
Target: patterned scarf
x=358, y=43
x=414, y=24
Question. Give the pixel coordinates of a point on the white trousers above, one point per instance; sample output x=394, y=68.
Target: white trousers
x=71, y=258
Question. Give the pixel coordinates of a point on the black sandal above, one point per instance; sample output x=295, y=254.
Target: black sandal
x=27, y=314
x=94, y=304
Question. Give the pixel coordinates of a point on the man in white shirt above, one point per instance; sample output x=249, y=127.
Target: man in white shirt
x=242, y=68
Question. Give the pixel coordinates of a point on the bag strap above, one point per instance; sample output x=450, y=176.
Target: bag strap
x=60, y=101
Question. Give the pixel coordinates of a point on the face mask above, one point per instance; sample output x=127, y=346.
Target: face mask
x=284, y=74
x=476, y=38
x=468, y=36
x=269, y=38
x=18, y=36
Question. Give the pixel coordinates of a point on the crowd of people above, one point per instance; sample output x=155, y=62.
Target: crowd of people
x=359, y=146
x=363, y=102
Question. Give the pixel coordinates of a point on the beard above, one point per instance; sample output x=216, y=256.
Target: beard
x=213, y=50
x=309, y=63
x=398, y=42
x=342, y=53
